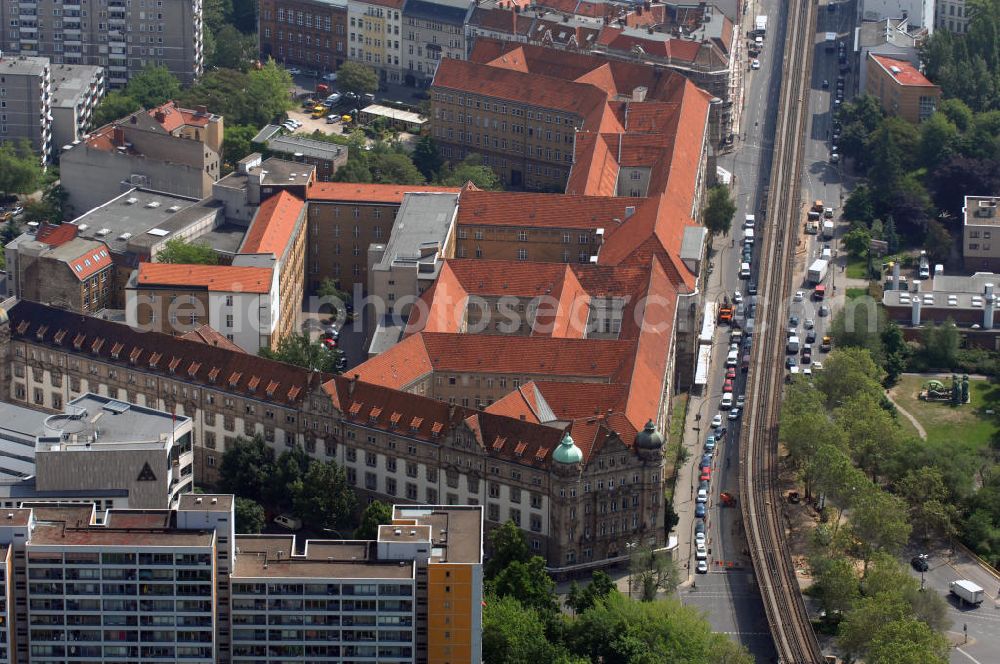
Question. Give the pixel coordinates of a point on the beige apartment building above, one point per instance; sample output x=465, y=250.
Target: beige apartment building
x=901, y=88
x=981, y=233
x=120, y=37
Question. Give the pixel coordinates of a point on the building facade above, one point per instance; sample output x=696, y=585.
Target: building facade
x=374, y=36
x=393, y=445
x=167, y=149
x=432, y=30
x=25, y=104
x=76, y=92
x=952, y=15
x=919, y=12
x=900, y=88
x=306, y=33
x=121, y=38
x=980, y=222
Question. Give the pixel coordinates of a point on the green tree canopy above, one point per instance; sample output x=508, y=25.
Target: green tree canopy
x=323, y=498
x=652, y=572
x=300, y=350
x=515, y=634
x=153, y=86
x=427, y=157
x=20, y=169
x=236, y=144
x=529, y=583
x=116, y=104
x=376, y=514
x=719, y=210
x=941, y=344
x=508, y=545
x=581, y=598
x=182, y=252
x=357, y=78
x=246, y=468
x=848, y=372
x=233, y=49
x=250, y=516
x=471, y=169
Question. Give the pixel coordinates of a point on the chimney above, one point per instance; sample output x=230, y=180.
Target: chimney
x=350, y=386
x=202, y=110
x=640, y=92
x=161, y=117
x=915, y=318
x=895, y=276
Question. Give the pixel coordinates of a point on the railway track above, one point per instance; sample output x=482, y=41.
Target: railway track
x=794, y=639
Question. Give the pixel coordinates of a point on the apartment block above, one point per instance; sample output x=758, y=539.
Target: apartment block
x=121, y=37
x=240, y=302
x=98, y=451
x=76, y=91
x=432, y=30
x=374, y=36
x=952, y=15
x=167, y=149
x=25, y=101
x=980, y=222
x=55, y=266
x=394, y=445
x=901, y=88
x=345, y=219
x=306, y=33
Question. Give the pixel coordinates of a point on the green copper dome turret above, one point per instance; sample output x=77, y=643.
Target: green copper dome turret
x=567, y=452
x=649, y=438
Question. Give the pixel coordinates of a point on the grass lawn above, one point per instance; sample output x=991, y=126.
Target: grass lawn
x=966, y=426
x=675, y=439
x=856, y=268
x=856, y=292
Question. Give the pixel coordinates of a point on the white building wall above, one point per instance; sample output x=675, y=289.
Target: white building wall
x=919, y=12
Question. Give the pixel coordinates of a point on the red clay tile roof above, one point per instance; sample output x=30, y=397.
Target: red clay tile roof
x=902, y=71
x=209, y=335
x=217, y=278
x=274, y=224
x=386, y=194
x=28, y=318
x=398, y=367
x=497, y=19
x=517, y=404
x=55, y=235
x=176, y=117
x=509, y=208
x=92, y=260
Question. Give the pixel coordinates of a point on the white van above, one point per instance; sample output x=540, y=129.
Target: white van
x=289, y=522
x=826, y=254
x=727, y=401
x=749, y=221
x=748, y=236
x=744, y=270
x=793, y=344
x=733, y=358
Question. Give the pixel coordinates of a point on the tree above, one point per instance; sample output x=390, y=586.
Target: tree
x=938, y=139
x=514, y=633
x=471, y=169
x=582, y=598
x=859, y=207
x=153, y=86
x=357, y=78
x=288, y=470
x=529, y=583
x=376, y=514
x=858, y=629
x=849, y=372
x=508, y=545
x=427, y=157
x=835, y=583
x=246, y=468
x=908, y=641
x=236, y=144
x=719, y=210
x=927, y=496
x=878, y=522
x=267, y=93
x=329, y=289
x=233, y=49
x=116, y=104
x=890, y=235
x=896, y=352
x=20, y=169
x=651, y=572
x=394, y=168
x=873, y=436
x=182, y=252
x=244, y=16
x=940, y=345
x=323, y=498
x=857, y=242
x=300, y=350
x=250, y=516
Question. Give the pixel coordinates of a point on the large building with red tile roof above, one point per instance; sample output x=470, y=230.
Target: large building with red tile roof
x=548, y=465
x=166, y=148
x=901, y=88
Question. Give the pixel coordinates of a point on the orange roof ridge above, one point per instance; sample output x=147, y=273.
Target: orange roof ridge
x=216, y=278
x=273, y=225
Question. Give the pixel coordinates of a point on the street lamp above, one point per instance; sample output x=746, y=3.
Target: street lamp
x=628, y=547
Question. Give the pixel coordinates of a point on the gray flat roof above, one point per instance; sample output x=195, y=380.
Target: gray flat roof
x=20, y=424
x=387, y=334
x=692, y=242
x=981, y=210
x=147, y=210
x=225, y=239
x=266, y=133
x=24, y=489
x=309, y=147
x=114, y=421
x=424, y=218
x=71, y=83
x=30, y=65
x=276, y=172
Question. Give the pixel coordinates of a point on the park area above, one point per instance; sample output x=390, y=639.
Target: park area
x=968, y=426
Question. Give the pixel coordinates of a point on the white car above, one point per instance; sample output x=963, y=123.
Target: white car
x=809, y=323
x=798, y=296
x=702, y=496
x=738, y=297
x=332, y=76
x=755, y=64
x=702, y=567
x=699, y=538
x=717, y=421
x=701, y=552
x=727, y=401
x=734, y=413
x=294, y=71
x=817, y=366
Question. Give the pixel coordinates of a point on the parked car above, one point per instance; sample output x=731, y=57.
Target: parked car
x=699, y=510
x=288, y=522
x=329, y=78
x=702, y=567
x=294, y=71
x=702, y=496
x=734, y=413
x=919, y=562
x=755, y=64
x=717, y=421
x=710, y=443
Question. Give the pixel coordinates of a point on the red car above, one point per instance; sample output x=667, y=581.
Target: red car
x=731, y=372
x=330, y=343
x=728, y=386
x=706, y=474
